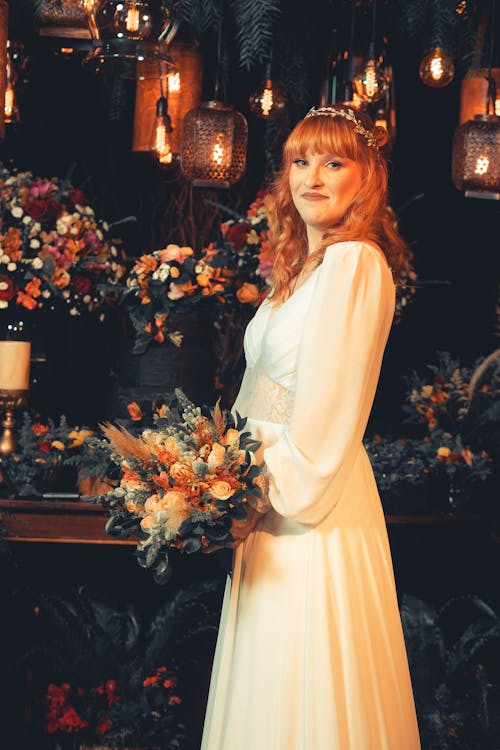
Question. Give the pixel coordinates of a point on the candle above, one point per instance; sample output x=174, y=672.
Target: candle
x=14, y=365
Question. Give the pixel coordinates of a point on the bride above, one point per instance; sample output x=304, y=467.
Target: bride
x=310, y=653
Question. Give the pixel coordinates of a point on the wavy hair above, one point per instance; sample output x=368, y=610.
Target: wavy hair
x=367, y=218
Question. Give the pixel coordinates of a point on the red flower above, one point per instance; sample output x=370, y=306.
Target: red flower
x=43, y=210
x=76, y=196
x=237, y=234
x=81, y=284
x=7, y=288
x=103, y=725
x=44, y=446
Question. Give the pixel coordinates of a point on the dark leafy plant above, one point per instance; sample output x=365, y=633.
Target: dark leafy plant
x=454, y=656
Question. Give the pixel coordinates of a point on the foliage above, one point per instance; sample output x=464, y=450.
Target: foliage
x=453, y=654
x=52, y=247
x=181, y=484
x=453, y=411
x=43, y=448
x=114, y=676
x=163, y=282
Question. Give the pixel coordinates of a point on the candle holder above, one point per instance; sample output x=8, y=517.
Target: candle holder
x=10, y=400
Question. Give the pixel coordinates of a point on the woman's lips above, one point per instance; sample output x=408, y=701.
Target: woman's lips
x=313, y=196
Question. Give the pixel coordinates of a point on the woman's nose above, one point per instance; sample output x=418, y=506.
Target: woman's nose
x=313, y=177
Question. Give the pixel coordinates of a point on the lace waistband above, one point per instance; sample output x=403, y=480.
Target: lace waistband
x=269, y=401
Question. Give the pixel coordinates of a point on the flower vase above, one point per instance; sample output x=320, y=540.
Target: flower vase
x=163, y=367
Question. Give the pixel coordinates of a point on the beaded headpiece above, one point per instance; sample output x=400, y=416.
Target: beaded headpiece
x=347, y=114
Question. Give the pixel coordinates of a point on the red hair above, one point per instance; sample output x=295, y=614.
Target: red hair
x=368, y=217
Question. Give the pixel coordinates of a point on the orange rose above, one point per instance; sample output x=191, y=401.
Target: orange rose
x=180, y=473
x=135, y=411
x=231, y=437
x=221, y=490
x=248, y=293
x=216, y=456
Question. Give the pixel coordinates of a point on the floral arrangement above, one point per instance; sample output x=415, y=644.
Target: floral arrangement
x=44, y=447
x=111, y=676
x=163, y=283
x=181, y=484
x=53, y=249
x=454, y=414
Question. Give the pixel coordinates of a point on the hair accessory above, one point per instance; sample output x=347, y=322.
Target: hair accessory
x=347, y=114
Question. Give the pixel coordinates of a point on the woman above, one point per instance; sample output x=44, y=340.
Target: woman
x=310, y=654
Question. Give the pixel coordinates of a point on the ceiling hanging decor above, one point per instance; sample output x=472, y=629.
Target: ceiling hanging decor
x=473, y=91
x=268, y=101
x=437, y=68
x=371, y=82
x=184, y=88
x=128, y=36
x=4, y=32
x=214, y=138
x=476, y=143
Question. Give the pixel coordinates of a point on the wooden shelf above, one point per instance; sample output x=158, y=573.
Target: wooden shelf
x=79, y=522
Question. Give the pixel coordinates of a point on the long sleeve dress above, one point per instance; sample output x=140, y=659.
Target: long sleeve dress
x=310, y=653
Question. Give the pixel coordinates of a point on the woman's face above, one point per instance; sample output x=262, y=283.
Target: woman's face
x=322, y=187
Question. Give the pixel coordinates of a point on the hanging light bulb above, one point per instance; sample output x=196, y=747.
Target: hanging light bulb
x=437, y=68
x=160, y=137
x=371, y=83
x=174, y=82
x=268, y=100
x=132, y=19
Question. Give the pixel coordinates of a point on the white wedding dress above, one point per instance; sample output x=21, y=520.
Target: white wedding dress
x=310, y=653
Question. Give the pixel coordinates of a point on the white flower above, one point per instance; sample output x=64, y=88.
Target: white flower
x=37, y=263
x=87, y=299
x=36, y=228
x=17, y=212
x=34, y=243
x=46, y=293
x=73, y=311
x=155, y=275
x=26, y=219
x=3, y=304
x=99, y=233
x=62, y=225
x=11, y=266
x=4, y=258
x=66, y=293
x=3, y=286
x=105, y=226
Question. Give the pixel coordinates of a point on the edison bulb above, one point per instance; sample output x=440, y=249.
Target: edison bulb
x=132, y=19
x=10, y=109
x=268, y=100
x=371, y=83
x=160, y=143
x=437, y=68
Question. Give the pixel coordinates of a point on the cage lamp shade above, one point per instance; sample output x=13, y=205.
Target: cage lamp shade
x=214, y=145
x=476, y=163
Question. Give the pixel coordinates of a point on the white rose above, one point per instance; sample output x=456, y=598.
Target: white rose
x=46, y=294
x=4, y=259
x=87, y=299
x=11, y=266
x=34, y=243
x=17, y=212
x=37, y=263
x=26, y=219
x=3, y=304
x=3, y=286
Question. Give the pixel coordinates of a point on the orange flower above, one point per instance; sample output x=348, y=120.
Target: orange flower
x=174, y=700
x=12, y=243
x=33, y=288
x=146, y=264
x=467, y=456
x=40, y=429
x=248, y=293
x=135, y=411
x=26, y=301
x=61, y=278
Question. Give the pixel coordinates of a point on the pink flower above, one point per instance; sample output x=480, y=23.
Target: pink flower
x=172, y=252
x=41, y=189
x=175, y=291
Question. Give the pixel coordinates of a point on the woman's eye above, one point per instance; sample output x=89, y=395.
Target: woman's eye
x=334, y=164
x=299, y=162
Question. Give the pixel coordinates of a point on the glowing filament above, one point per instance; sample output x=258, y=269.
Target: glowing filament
x=371, y=84
x=266, y=101
x=436, y=68
x=162, y=145
x=174, y=82
x=482, y=165
x=132, y=22
x=9, y=102
x=218, y=152
x=497, y=107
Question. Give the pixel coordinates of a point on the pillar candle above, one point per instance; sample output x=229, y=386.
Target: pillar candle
x=14, y=365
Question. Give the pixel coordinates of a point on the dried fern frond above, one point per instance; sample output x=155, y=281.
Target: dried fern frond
x=218, y=419
x=124, y=443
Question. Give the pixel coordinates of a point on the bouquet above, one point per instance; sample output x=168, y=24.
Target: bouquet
x=163, y=282
x=182, y=484
x=52, y=247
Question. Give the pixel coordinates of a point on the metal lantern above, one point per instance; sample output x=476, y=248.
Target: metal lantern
x=214, y=144
x=476, y=162
x=184, y=86
x=473, y=93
